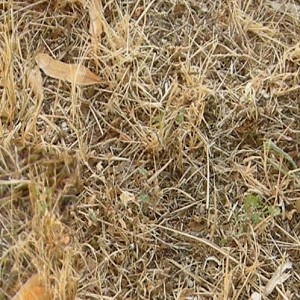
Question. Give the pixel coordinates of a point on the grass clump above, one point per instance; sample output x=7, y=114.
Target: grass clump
x=173, y=179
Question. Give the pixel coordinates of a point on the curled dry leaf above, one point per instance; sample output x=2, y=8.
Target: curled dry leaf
x=33, y=289
x=73, y=73
x=35, y=81
x=278, y=277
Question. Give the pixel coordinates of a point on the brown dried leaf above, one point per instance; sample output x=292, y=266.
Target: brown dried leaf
x=290, y=214
x=35, y=81
x=73, y=73
x=96, y=27
x=33, y=289
x=127, y=197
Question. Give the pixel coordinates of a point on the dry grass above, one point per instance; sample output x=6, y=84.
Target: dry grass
x=161, y=182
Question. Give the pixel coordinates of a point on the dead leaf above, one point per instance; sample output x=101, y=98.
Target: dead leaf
x=197, y=224
x=255, y=296
x=290, y=214
x=33, y=289
x=126, y=197
x=73, y=73
x=35, y=81
x=278, y=277
x=96, y=24
x=96, y=27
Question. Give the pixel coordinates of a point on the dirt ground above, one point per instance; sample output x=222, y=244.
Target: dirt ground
x=176, y=177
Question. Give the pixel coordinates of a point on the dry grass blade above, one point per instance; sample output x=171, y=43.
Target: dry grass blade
x=202, y=241
x=297, y=205
x=292, y=8
x=174, y=178
x=33, y=289
x=74, y=73
x=14, y=181
x=270, y=146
